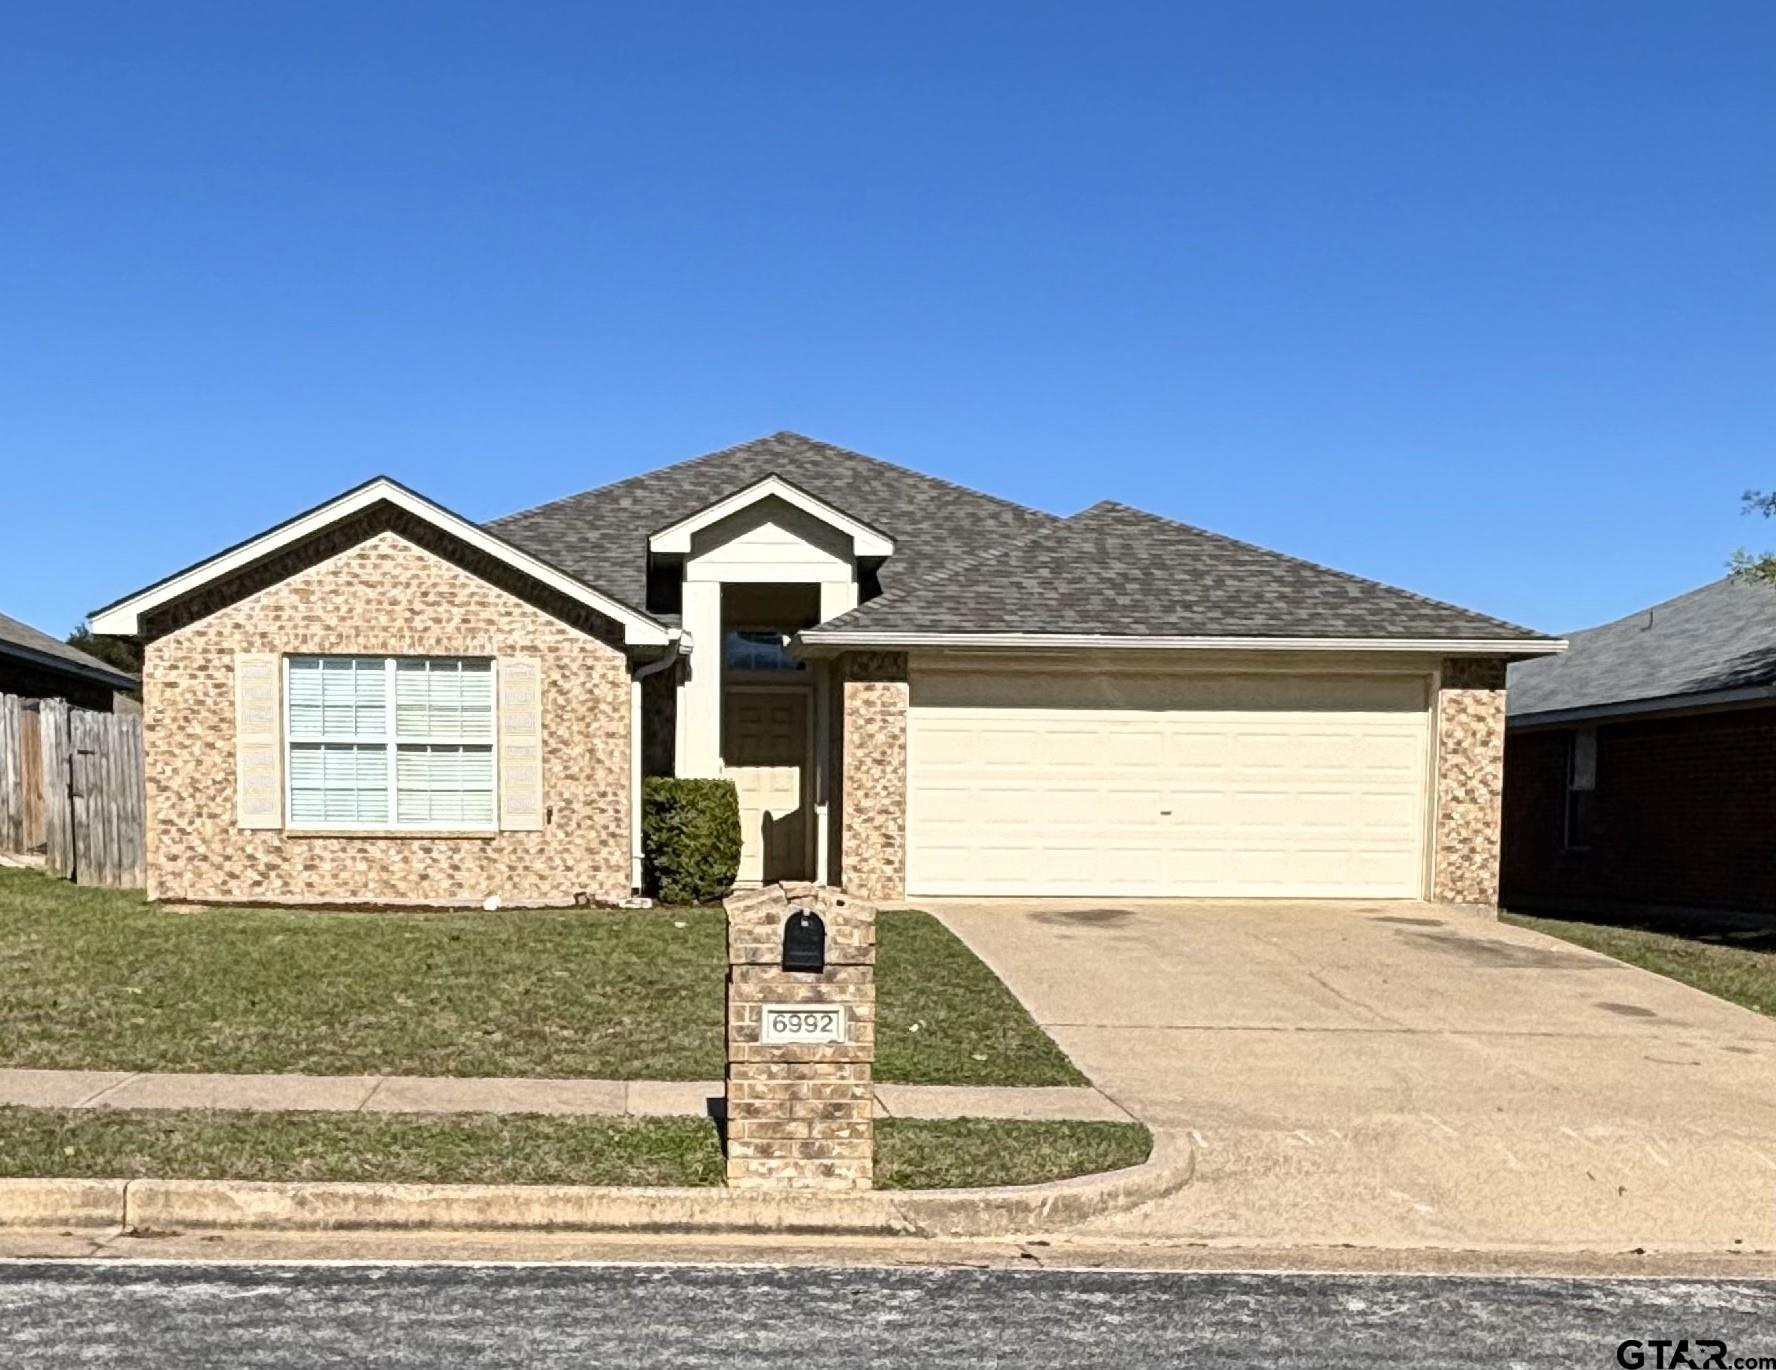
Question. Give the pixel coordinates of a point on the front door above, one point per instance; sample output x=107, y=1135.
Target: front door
x=765, y=754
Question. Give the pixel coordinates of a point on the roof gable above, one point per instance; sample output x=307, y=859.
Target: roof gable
x=865, y=540
x=602, y=535
x=1117, y=572
x=124, y=617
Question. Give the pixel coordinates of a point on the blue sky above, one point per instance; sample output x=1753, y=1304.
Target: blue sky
x=1477, y=298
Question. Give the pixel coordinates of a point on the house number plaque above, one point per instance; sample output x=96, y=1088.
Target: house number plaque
x=804, y=1024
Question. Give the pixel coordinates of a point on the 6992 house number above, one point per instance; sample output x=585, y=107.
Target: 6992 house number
x=801, y=1024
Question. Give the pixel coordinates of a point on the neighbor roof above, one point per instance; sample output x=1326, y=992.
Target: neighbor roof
x=24, y=643
x=1716, y=639
x=1113, y=571
x=602, y=535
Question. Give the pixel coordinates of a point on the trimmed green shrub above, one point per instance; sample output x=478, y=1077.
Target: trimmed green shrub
x=690, y=837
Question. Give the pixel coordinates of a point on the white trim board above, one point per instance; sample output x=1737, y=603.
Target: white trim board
x=865, y=541
x=818, y=643
x=124, y=618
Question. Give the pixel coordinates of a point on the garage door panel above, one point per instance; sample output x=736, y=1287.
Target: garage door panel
x=1181, y=785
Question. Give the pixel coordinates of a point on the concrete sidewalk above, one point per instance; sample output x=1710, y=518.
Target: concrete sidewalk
x=450, y=1094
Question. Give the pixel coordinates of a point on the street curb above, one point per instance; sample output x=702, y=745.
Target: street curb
x=1030, y=1210
x=179, y=1205
x=62, y=1203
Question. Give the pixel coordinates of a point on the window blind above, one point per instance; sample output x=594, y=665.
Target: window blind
x=403, y=742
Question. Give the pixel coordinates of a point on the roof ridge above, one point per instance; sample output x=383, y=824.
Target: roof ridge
x=914, y=471
x=767, y=437
x=1718, y=583
x=1351, y=576
x=624, y=480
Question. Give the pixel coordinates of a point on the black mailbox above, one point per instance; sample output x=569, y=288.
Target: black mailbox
x=804, y=941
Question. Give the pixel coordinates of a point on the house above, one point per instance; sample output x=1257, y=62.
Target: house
x=1640, y=767
x=34, y=665
x=917, y=689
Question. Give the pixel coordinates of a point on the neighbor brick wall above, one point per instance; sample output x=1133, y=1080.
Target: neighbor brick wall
x=1470, y=781
x=873, y=723
x=383, y=595
x=1683, y=813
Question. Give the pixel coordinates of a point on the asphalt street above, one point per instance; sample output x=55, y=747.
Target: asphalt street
x=64, y=1314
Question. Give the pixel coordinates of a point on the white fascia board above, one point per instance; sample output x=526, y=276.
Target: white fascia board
x=124, y=618
x=865, y=541
x=818, y=643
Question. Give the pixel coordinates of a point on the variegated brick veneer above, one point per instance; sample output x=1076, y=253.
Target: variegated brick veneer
x=383, y=594
x=874, y=778
x=1470, y=781
x=800, y=1116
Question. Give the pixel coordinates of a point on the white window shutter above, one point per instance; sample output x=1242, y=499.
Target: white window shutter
x=520, y=744
x=258, y=747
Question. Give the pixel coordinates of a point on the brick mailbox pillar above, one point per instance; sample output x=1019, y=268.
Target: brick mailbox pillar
x=801, y=1042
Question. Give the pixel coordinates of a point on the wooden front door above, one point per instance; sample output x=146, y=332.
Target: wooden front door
x=765, y=754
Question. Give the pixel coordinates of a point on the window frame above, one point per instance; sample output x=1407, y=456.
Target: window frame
x=1571, y=838
x=391, y=743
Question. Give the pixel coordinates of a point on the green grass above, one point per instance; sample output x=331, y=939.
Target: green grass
x=102, y=980
x=482, y=1148
x=944, y=1018
x=1733, y=959
x=516, y=1149
x=956, y=1153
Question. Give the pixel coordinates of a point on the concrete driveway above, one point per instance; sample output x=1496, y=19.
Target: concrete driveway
x=1402, y=1075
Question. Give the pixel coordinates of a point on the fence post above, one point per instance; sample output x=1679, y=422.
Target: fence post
x=12, y=797
x=58, y=816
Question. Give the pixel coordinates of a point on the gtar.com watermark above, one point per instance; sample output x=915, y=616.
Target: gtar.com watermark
x=1685, y=1353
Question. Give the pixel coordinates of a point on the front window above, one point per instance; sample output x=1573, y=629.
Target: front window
x=749, y=650
x=1581, y=787
x=389, y=742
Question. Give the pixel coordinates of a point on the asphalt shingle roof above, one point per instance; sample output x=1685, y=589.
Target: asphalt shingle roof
x=1719, y=637
x=971, y=563
x=1122, y=571
x=18, y=638
x=601, y=535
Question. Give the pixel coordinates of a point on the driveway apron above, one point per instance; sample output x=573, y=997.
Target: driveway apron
x=1402, y=1075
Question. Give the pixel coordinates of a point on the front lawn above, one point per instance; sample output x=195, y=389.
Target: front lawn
x=102, y=980
x=1731, y=958
x=517, y=1149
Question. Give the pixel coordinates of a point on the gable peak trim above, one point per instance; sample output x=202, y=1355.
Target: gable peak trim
x=866, y=541
x=124, y=617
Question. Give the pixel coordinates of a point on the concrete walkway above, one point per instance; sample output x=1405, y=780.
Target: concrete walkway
x=1401, y=1075
x=449, y=1094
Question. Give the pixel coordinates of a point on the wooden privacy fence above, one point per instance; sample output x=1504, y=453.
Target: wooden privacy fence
x=71, y=788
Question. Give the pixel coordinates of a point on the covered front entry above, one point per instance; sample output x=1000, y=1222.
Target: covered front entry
x=1155, y=783
x=766, y=746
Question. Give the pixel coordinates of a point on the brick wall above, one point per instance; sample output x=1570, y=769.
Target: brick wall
x=800, y=1116
x=1470, y=781
x=381, y=594
x=1684, y=812
x=872, y=823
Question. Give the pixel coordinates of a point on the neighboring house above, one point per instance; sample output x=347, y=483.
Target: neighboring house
x=34, y=665
x=917, y=689
x=1641, y=766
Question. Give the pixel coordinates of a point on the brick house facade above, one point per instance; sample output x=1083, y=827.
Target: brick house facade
x=381, y=702
x=1682, y=813
x=385, y=595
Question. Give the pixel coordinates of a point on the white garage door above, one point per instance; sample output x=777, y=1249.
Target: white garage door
x=1227, y=785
